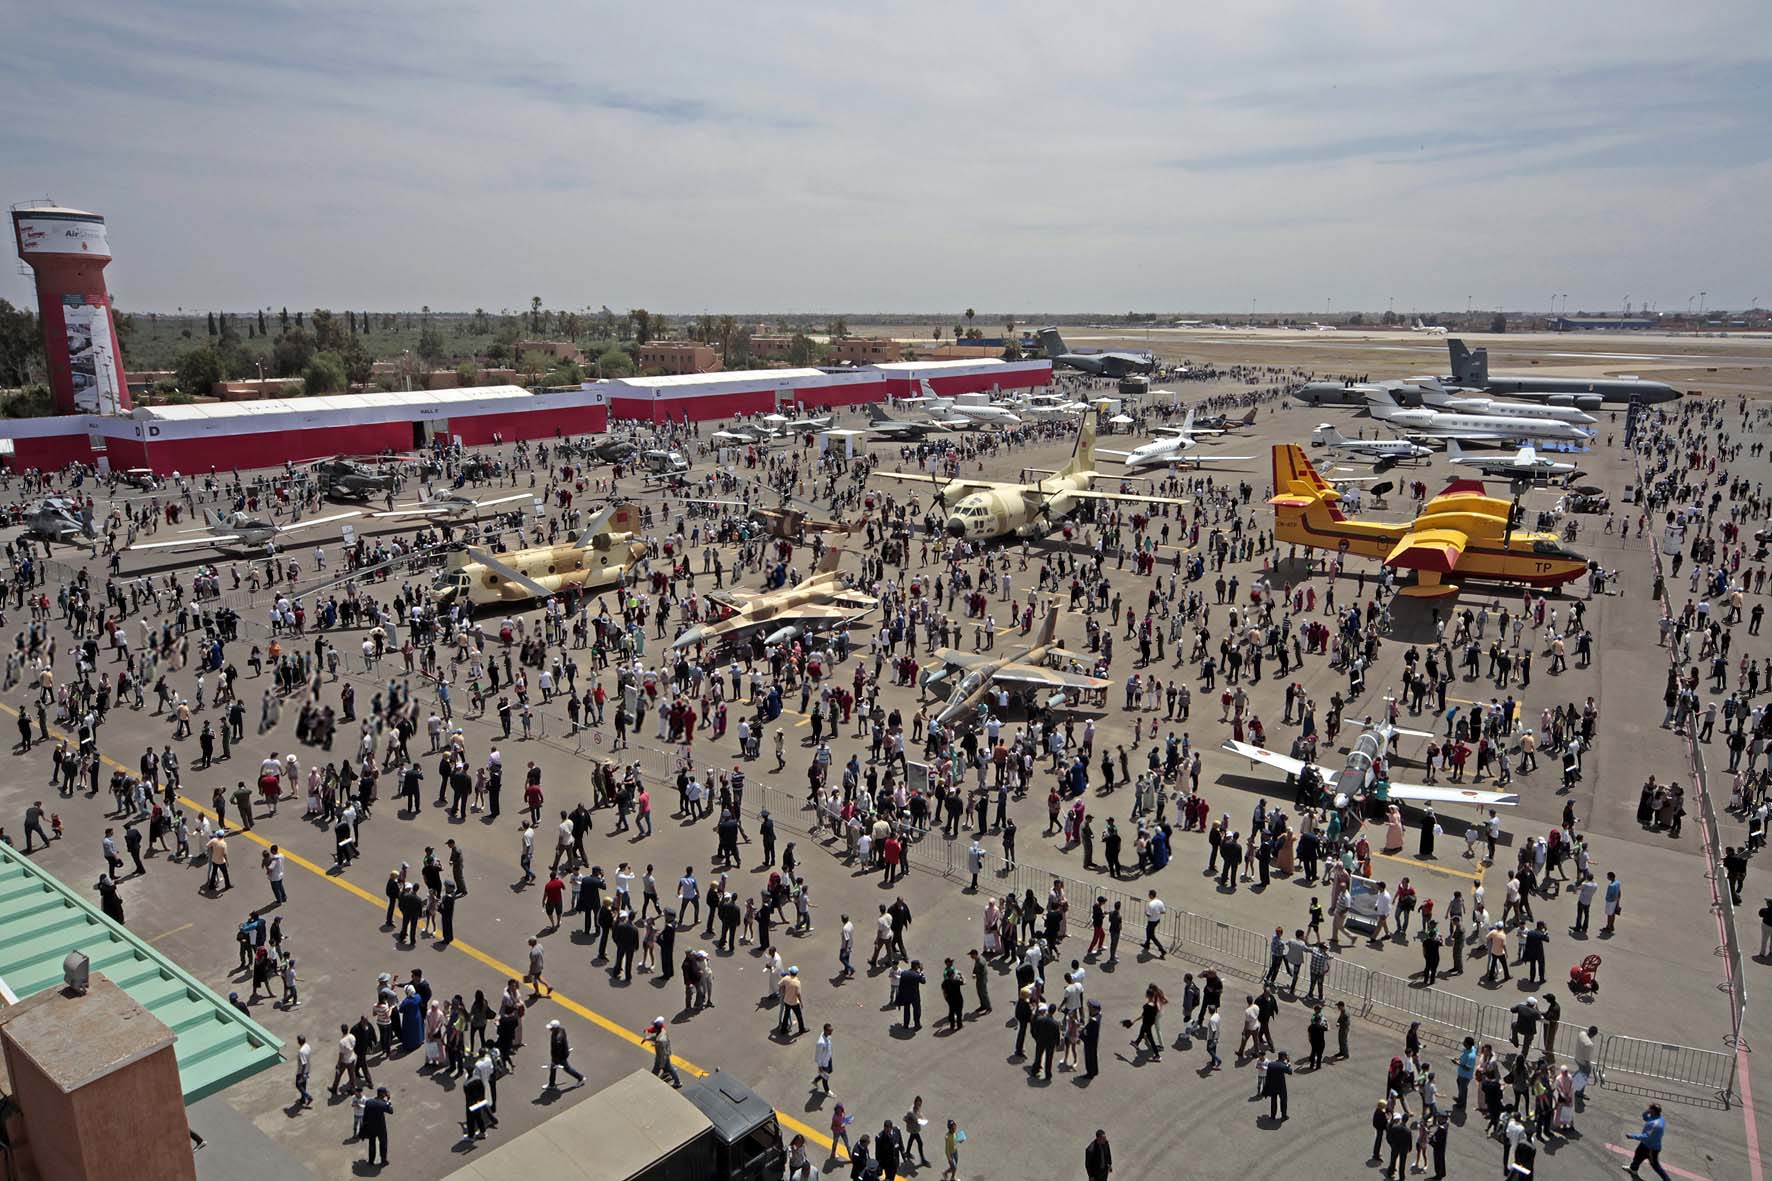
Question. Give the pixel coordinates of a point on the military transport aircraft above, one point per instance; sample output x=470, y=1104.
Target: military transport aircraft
x=982, y=510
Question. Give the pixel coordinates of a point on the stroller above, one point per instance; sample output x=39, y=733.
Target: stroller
x=1584, y=977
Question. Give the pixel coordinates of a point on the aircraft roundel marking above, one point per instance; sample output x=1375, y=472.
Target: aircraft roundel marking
x=1343, y=545
x=1468, y=793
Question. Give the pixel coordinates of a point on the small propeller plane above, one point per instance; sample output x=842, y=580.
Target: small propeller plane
x=241, y=531
x=1366, y=772
x=449, y=506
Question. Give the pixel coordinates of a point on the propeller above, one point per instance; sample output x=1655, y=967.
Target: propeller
x=486, y=559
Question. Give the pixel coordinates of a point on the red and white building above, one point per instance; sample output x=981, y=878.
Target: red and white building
x=267, y=432
x=270, y=431
x=701, y=397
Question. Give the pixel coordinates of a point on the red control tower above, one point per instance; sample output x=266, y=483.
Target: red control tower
x=67, y=250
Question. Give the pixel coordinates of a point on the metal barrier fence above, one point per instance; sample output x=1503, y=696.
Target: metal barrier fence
x=1446, y=1014
x=1664, y=1062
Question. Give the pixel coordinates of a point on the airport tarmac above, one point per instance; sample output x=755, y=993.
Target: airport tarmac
x=1738, y=363
x=1659, y=979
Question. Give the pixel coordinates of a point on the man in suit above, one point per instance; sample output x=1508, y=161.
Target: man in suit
x=1092, y=1041
x=1274, y=1086
x=375, y=1125
x=1046, y=1034
x=910, y=996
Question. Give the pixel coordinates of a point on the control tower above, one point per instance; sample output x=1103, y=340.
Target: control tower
x=67, y=251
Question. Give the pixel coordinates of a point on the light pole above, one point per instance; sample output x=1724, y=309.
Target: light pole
x=1251, y=311
x=1702, y=295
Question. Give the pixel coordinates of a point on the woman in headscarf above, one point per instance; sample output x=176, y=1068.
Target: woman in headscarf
x=411, y=1020
x=1393, y=830
x=1565, y=1092
x=434, y=1033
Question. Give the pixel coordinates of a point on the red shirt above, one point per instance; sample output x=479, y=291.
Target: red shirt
x=554, y=893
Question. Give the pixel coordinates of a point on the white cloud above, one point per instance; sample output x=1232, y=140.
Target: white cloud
x=898, y=157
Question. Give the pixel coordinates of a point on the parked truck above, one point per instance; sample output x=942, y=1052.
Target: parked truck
x=641, y=1129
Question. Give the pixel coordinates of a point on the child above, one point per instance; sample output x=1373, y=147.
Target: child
x=649, y=944
x=291, y=996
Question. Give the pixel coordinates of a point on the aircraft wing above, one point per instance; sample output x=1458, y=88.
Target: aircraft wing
x=504, y=500
x=1038, y=675
x=1139, y=497
x=1475, y=436
x=944, y=482
x=420, y=510
x=733, y=599
x=809, y=614
x=1435, y=550
x=1453, y=795
x=954, y=658
x=319, y=521
x=206, y=540
x=1289, y=765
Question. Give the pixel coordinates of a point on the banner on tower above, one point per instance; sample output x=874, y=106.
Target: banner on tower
x=49, y=233
x=92, y=363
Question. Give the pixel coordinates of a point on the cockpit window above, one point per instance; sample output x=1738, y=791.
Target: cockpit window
x=1549, y=549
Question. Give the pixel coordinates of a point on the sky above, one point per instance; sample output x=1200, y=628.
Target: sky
x=902, y=157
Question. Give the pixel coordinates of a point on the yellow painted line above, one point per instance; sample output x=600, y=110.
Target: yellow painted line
x=1476, y=879
x=813, y=1135
x=169, y=934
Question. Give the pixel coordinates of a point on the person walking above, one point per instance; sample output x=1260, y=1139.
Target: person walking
x=1649, y=1141
x=1153, y=915
x=534, y=977
x=824, y=1060
x=788, y=990
x=1098, y=1157
x=274, y=874
x=560, y=1056
x=346, y=1067
x=659, y=1037
x=304, y=1058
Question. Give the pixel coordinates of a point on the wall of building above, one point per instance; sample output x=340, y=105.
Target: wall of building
x=266, y=441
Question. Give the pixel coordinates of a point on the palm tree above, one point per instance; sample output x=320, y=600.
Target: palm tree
x=727, y=329
x=970, y=316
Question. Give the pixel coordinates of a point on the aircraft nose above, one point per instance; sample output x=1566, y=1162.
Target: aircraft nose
x=688, y=638
x=956, y=527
